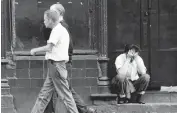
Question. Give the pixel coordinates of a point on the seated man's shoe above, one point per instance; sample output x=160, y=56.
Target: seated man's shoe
x=121, y=100
x=133, y=98
x=127, y=100
x=138, y=99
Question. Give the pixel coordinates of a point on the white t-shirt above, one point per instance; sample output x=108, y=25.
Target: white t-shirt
x=60, y=38
x=134, y=68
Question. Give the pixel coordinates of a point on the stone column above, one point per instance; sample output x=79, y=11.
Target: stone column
x=7, y=103
x=101, y=7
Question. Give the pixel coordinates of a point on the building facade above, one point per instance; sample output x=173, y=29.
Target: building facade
x=100, y=29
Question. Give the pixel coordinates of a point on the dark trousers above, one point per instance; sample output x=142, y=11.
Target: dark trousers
x=125, y=87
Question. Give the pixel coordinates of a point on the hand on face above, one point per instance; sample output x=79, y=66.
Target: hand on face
x=136, y=54
x=130, y=53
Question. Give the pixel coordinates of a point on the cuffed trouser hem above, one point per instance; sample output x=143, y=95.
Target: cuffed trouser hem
x=141, y=93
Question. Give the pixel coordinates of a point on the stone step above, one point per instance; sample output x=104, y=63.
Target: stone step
x=149, y=97
x=7, y=101
x=103, y=83
x=4, y=81
x=138, y=108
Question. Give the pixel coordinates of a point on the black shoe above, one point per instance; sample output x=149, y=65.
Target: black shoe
x=133, y=98
x=127, y=100
x=121, y=100
x=138, y=99
x=141, y=103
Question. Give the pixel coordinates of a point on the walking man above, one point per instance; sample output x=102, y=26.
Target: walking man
x=57, y=55
x=81, y=105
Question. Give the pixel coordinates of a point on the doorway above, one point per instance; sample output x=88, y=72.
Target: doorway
x=152, y=25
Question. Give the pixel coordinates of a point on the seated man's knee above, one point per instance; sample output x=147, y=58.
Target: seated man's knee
x=121, y=78
x=146, y=77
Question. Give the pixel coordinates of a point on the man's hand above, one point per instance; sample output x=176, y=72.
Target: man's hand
x=130, y=54
x=33, y=51
x=135, y=55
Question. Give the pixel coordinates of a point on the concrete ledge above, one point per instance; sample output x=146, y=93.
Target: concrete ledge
x=149, y=97
x=103, y=83
x=75, y=52
x=103, y=95
x=74, y=57
x=137, y=108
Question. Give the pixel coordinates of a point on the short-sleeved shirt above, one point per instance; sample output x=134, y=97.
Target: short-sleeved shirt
x=134, y=68
x=45, y=33
x=59, y=37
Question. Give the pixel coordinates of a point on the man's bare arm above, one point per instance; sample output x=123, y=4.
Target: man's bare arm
x=46, y=48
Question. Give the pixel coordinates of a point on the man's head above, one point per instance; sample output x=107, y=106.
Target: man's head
x=59, y=8
x=132, y=50
x=50, y=18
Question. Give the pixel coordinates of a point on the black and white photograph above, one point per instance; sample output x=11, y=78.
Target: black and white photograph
x=88, y=56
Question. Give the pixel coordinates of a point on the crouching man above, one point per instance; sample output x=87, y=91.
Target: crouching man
x=131, y=75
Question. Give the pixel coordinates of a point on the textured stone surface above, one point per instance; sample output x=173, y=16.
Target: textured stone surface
x=8, y=110
x=10, y=72
x=3, y=71
x=81, y=82
x=36, y=73
x=22, y=83
x=36, y=64
x=78, y=72
x=21, y=64
x=149, y=97
x=92, y=72
x=5, y=91
x=37, y=83
x=7, y=101
x=24, y=98
x=22, y=73
x=100, y=90
x=85, y=93
x=161, y=98
x=91, y=63
x=78, y=64
x=136, y=108
x=174, y=97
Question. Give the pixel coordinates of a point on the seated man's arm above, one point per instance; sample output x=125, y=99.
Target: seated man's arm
x=121, y=64
x=140, y=65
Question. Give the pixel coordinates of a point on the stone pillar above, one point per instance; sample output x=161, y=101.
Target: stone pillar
x=101, y=7
x=7, y=104
x=13, y=28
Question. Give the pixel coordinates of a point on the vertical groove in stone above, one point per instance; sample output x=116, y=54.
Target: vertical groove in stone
x=103, y=33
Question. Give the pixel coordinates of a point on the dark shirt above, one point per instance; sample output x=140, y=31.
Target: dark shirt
x=46, y=34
